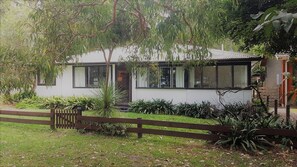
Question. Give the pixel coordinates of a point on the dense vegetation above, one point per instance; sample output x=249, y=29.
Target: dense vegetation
x=161, y=106
x=239, y=25
x=57, y=102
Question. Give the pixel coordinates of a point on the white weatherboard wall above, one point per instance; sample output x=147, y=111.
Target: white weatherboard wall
x=189, y=95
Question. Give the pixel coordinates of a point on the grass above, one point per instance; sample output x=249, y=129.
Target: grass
x=37, y=145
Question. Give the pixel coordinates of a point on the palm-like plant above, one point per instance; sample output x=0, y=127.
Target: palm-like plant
x=108, y=97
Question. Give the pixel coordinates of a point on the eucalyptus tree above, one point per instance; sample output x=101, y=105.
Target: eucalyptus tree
x=63, y=28
x=17, y=69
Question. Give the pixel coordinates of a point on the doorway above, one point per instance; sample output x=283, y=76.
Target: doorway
x=123, y=82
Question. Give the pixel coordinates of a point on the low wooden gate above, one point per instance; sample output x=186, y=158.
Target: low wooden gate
x=65, y=119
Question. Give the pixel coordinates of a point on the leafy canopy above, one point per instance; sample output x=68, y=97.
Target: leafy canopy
x=240, y=25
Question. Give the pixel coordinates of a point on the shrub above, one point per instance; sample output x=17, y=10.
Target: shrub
x=243, y=110
x=33, y=103
x=161, y=106
x=244, y=122
x=17, y=97
x=57, y=102
x=109, y=129
x=242, y=134
x=157, y=106
x=203, y=110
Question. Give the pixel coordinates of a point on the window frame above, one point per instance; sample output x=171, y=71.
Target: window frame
x=187, y=76
x=87, y=77
x=44, y=84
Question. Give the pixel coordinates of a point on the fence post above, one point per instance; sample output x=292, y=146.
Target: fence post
x=52, y=119
x=275, y=107
x=78, y=113
x=267, y=102
x=288, y=114
x=139, y=127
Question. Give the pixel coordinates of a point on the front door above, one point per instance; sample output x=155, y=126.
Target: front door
x=123, y=82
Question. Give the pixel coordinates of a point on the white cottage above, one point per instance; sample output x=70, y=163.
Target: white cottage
x=232, y=71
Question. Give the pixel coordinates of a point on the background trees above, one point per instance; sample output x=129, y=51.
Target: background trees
x=17, y=67
x=240, y=26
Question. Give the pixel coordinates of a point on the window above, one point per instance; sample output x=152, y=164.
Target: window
x=153, y=78
x=206, y=77
x=161, y=77
x=88, y=76
x=202, y=77
x=220, y=76
x=178, y=77
x=165, y=81
x=142, y=79
x=43, y=81
x=224, y=76
x=209, y=77
x=240, y=76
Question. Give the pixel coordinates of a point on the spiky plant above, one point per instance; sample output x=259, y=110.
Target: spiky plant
x=108, y=97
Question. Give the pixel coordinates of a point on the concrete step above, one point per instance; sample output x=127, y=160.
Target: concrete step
x=123, y=107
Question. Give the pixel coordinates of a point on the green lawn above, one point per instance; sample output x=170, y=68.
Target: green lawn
x=37, y=145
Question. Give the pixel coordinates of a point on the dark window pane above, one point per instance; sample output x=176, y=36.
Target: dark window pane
x=102, y=73
x=165, y=78
x=174, y=77
x=224, y=76
x=209, y=77
x=93, y=78
x=154, y=78
x=198, y=76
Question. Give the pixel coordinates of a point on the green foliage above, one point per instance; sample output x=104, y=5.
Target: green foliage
x=244, y=121
x=17, y=97
x=243, y=111
x=87, y=103
x=15, y=71
x=157, y=106
x=31, y=103
x=110, y=129
x=239, y=26
x=203, y=110
x=107, y=98
x=161, y=106
x=242, y=135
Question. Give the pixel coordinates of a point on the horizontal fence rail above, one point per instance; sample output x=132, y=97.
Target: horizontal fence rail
x=68, y=119
x=86, y=122
x=25, y=121
x=83, y=122
x=27, y=114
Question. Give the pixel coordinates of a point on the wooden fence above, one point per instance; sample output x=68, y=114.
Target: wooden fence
x=58, y=118
x=65, y=119
x=73, y=119
x=50, y=122
x=86, y=122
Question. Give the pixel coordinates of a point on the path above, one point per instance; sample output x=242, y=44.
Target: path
x=282, y=113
